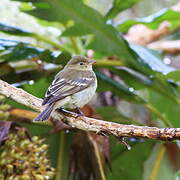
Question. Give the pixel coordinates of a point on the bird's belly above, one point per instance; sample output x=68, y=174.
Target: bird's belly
x=82, y=98
x=77, y=100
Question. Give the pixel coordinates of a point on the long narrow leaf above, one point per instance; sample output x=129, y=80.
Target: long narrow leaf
x=154, y=20
x=15, y=50
x=121, y=90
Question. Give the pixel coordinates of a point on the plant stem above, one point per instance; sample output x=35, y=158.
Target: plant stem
x=98, y=156
x=73, y=42
x=108, y=63
x=60, y=157
x=161, y=117
x=75, y=45
x=157, y=164
x=49, y=41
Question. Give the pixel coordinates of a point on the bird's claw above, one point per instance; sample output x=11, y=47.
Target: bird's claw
x=70, y=113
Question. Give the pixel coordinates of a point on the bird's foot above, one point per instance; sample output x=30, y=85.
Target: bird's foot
x=70, y=113
x=78, y=112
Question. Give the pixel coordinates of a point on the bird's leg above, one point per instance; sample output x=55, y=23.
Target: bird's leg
x=78, y=112
x=68, y=113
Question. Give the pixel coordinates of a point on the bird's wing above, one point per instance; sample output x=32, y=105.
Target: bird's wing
x=63, y=87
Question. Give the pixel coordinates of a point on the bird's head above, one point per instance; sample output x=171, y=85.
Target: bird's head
x=80, y=63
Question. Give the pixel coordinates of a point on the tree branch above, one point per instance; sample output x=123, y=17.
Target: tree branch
x=90, y=124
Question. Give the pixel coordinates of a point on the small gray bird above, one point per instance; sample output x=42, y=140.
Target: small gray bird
x=72, y=88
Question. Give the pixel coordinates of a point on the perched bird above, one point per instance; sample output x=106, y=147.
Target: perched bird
x=72, y=88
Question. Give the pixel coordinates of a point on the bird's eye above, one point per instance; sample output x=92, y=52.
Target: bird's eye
x=81, y=63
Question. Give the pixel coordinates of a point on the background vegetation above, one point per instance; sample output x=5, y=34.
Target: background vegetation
x=138, y=79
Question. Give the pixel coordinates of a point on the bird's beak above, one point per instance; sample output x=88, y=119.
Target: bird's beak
x=91, y=61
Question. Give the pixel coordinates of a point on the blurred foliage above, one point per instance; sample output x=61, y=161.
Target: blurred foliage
x=175, y=75
x=120, y=5
x=154, y=20
x=126, y=72
x=131, y=161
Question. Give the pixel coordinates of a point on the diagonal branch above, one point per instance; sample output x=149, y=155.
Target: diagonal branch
x=90, y=124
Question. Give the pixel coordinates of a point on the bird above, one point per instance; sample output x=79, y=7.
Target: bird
x=72, y=88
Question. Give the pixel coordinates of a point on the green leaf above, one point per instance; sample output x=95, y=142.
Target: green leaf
x=110, y=113
x=86, y=20
x=15, y=50
x=120, y=89
x=177, y=176
x=167, y=107
x=38, y=88
x=149, y=57
x=133, y=78
x=5, y=69
x=158, y=166
x=119, y=6
x=159, y=79
x=154, y=20
x=174, y=75
x=106, y=39
x=129, y=164
x=14, y=30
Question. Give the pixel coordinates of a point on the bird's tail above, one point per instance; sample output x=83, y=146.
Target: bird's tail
x=45, y=114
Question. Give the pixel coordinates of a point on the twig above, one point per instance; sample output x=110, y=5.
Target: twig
x=91, y=124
